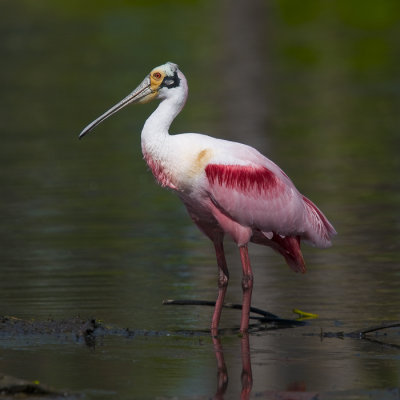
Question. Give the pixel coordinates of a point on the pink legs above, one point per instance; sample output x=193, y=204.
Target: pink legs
x=247, y=286
x=223, y=279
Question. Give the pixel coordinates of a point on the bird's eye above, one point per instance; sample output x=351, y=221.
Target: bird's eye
x=156, y=75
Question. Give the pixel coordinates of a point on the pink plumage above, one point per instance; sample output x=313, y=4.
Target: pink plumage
x=249, y=179
x=277, y=214
x=228, y=188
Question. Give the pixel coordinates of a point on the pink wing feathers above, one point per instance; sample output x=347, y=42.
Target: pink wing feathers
x=259, y=195
x=259, y=198
x=256, y=197
x=244, y=178
x=321, y=230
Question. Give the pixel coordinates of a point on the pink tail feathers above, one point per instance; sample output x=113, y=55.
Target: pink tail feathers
x=287, y=246
x=320, y=230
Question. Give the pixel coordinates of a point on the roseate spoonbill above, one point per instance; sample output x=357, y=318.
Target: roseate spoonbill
x=227, y=187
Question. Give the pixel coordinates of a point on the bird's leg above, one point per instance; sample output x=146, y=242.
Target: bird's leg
x=247, y=286
x=223, y=279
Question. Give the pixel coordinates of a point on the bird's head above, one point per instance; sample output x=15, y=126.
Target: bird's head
x=162, y=80
x=159, y=84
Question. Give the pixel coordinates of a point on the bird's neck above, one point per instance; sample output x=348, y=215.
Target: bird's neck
x=156, y=139
x=155, y=131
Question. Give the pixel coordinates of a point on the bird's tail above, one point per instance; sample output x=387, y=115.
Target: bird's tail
x=288, y=246
x=320, y=230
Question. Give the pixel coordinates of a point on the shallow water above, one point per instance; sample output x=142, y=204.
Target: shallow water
x=85, y=231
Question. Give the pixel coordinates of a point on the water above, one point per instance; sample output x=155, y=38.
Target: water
x=85, y=231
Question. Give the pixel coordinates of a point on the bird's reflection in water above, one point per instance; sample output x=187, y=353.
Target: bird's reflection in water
x=294, y=390
x=246, y=376
x=222, y=371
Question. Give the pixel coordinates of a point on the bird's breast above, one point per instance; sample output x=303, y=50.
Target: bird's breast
x=160, y=170
x=181, y=169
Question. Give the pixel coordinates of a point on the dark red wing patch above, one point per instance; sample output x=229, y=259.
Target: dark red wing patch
x=242, y=177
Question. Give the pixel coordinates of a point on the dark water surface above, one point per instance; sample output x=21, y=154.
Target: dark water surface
x=85, y=231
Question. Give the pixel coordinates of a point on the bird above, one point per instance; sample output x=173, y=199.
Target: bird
x=229, y=188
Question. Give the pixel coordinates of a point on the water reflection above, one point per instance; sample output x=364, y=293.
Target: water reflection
x=293, y=390
x=246, y=376
x=295, y=387
x=222, y=371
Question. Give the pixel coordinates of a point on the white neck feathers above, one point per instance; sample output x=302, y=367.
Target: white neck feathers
x=155, y=130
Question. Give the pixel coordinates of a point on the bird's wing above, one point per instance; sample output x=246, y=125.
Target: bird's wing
x=254, y=192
